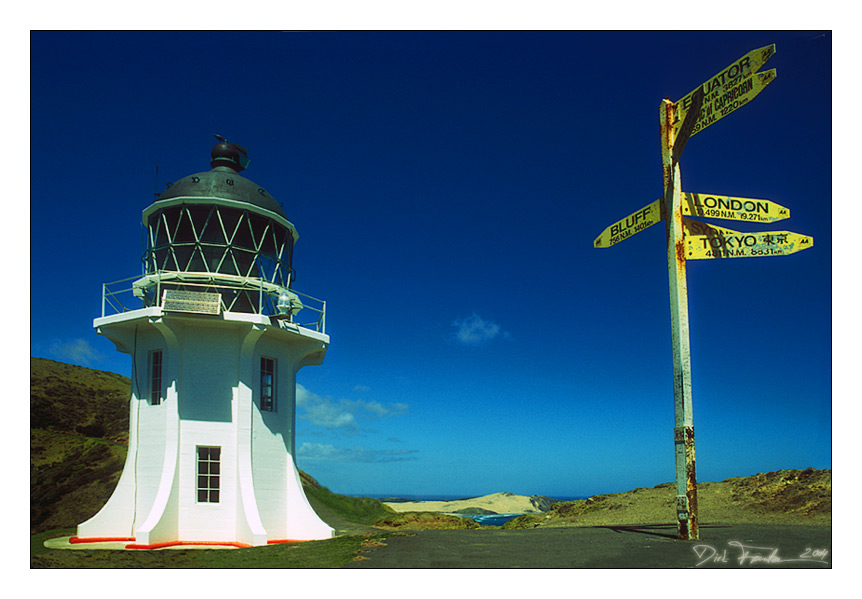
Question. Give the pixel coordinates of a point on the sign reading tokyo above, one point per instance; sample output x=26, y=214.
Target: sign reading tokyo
x=704, y=241
x=728, y=90
x=633, y=223
x=726, y=207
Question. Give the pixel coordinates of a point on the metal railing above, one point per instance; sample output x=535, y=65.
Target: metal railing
x=113, y=298
x=238, y=294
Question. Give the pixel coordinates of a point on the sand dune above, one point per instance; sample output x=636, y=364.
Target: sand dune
x=501, y=503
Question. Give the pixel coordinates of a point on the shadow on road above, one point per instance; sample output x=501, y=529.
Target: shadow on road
x=660, y=530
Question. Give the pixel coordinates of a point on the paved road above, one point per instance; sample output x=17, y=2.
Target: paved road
x=654, y=546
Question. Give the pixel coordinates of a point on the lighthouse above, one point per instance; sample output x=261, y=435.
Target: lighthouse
x=216, y=335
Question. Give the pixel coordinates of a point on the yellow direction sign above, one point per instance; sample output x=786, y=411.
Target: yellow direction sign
x=726, y=207
x=704, y=241
x=728, y=90
x=633, y=223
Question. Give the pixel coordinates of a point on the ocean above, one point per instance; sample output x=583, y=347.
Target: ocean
x=491, y=519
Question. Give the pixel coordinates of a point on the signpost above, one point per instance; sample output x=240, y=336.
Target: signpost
x=689, y=239
x=683, y=432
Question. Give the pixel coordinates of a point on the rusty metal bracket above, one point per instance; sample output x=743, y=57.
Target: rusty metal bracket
x=683, y=434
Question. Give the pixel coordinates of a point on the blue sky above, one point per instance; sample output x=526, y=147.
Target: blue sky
x=447, y=188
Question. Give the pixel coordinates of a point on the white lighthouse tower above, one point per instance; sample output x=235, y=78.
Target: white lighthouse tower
x=216, y=335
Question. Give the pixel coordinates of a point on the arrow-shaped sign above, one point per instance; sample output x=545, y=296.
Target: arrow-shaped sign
x=633, y=223
x=718, y=206
x=704, y=241
x=727, y=90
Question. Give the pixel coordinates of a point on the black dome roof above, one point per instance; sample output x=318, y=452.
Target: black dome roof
x=222, y=182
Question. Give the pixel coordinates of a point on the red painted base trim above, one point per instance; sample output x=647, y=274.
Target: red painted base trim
x=74, y=540
x=179, y=543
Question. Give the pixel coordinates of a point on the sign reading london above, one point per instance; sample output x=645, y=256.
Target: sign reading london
x=715, y=206
x=633, y=223
x=727, y=90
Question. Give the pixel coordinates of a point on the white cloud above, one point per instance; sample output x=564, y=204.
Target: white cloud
x=320, y=452
x=376, y=408
x=473, y=330
x=331, y=414
x=75, y=351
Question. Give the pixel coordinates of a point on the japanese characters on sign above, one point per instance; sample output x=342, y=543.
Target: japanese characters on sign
x=705, y=241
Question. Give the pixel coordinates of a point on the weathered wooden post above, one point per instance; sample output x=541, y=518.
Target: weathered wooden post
x=683, y=432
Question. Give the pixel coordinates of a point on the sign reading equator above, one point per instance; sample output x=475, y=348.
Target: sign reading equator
x=728, y=90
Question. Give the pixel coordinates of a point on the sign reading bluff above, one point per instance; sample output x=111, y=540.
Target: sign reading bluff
x=633, y=223
x=728, y=90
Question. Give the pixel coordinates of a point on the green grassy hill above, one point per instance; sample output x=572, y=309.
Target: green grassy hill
x=79, y=433
x=77, y=400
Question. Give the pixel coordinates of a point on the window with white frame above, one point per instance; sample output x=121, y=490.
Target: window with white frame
x=267, y=384
x=208, y=474
x=155, y=368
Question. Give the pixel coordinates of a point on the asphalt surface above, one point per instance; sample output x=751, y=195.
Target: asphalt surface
x=652, y=546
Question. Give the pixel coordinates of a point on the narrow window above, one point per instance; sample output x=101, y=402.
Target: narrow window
x=156, y=377
x=209, y=471
x=267, y=384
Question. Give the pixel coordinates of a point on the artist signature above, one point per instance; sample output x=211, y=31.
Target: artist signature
x=748, y=555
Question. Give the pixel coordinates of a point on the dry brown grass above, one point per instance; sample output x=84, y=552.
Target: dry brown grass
x=782, y=497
